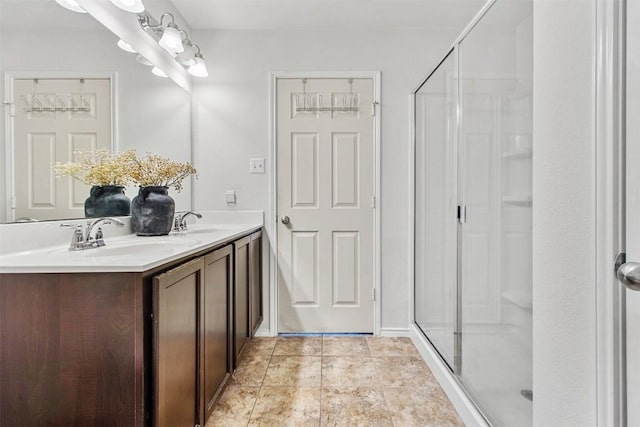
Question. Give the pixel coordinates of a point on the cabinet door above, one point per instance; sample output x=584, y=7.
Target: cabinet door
x=176, y=330
x=255, y=282
x=216, y=345
x=241, y=296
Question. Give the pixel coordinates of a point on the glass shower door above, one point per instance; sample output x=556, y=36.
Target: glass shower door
x=495, y=71
x=436, y=204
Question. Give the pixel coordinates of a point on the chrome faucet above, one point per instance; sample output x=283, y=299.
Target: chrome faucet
x=180, y=221
x=98, y=240
x=82, y=240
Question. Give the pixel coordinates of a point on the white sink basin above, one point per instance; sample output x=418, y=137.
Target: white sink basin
x=136, y=249
x=139, y=246
x=205, y=228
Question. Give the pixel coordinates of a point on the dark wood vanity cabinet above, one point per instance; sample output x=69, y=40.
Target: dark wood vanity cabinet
x=240, y=296
x=191, y=338
x=71, y=349
x=247, y=294
x=177, y=325
x=216, y=339
x=125, y=349
x=255, y=282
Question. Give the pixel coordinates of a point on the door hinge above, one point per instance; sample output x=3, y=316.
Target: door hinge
x=373, y=201
x=12, y=108
x=373, y=108
x=462, y=214
x=373, y=294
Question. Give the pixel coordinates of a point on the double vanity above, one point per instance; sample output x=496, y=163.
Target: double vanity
x=142, y=331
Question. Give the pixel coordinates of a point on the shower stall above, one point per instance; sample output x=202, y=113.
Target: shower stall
x=473, y=187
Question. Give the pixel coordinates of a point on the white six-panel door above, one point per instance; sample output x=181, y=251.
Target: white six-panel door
x=325, y=188
x=41, y=139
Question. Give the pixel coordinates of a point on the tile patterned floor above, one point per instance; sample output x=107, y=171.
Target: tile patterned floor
x=333, y=381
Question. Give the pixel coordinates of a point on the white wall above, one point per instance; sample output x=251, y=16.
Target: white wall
x=564, y=329
x=231, y=122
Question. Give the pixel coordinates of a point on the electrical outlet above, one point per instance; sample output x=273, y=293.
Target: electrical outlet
x=256, y=165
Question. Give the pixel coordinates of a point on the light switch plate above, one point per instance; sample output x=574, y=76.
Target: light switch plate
x=256, y=165
x=230, y=196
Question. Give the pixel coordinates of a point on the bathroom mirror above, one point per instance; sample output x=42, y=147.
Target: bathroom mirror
x=41, y=40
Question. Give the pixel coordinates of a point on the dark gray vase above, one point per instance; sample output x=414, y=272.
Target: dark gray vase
x=152, y=211
x=107, y=200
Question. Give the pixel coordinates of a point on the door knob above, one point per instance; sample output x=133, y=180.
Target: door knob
x=285, y=220
x=629, y=275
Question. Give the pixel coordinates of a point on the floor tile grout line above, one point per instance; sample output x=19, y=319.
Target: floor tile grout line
x=255, y=402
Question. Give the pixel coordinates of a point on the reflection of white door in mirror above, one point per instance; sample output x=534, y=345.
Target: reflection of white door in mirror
x=45, y=134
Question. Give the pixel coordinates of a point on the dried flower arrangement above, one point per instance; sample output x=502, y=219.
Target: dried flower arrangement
x=100, y=167
x=154, y=170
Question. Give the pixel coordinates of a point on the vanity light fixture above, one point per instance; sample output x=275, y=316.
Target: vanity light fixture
x=71, y=5
x=199, y=69
x=170, y=37
x=186, y=58
x=126, y=46
x=158, y=72
x=133, y=6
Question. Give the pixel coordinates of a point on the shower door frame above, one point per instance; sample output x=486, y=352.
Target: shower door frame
x=457, y=343
x=446, y=376
x=450, y=381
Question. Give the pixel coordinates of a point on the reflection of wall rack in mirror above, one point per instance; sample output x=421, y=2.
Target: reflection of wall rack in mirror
x=340, y=102
x=54, y=102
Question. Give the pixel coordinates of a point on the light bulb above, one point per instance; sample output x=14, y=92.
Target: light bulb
x=158, y=72
x=199, y=69
x=133, y=6
x=186, y=59
x=126, y=46
x=171, y=39
x=71, y=5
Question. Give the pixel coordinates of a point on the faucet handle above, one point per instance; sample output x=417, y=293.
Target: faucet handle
x=99, y=239
x=177, y=222
x=76, y=226
x=77, y=240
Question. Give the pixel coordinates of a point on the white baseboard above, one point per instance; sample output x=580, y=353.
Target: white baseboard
x=263, y=333
x=395, y=332
x=466, y=409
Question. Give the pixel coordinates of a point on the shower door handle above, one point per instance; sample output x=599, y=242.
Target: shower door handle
x=628, y=273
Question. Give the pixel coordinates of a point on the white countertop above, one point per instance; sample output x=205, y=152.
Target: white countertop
x=126, y=253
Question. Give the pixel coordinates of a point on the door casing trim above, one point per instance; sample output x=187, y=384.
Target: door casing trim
x=609, y=91
x=271, y=215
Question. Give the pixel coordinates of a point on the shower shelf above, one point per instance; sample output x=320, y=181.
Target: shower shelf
x=525, y=201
